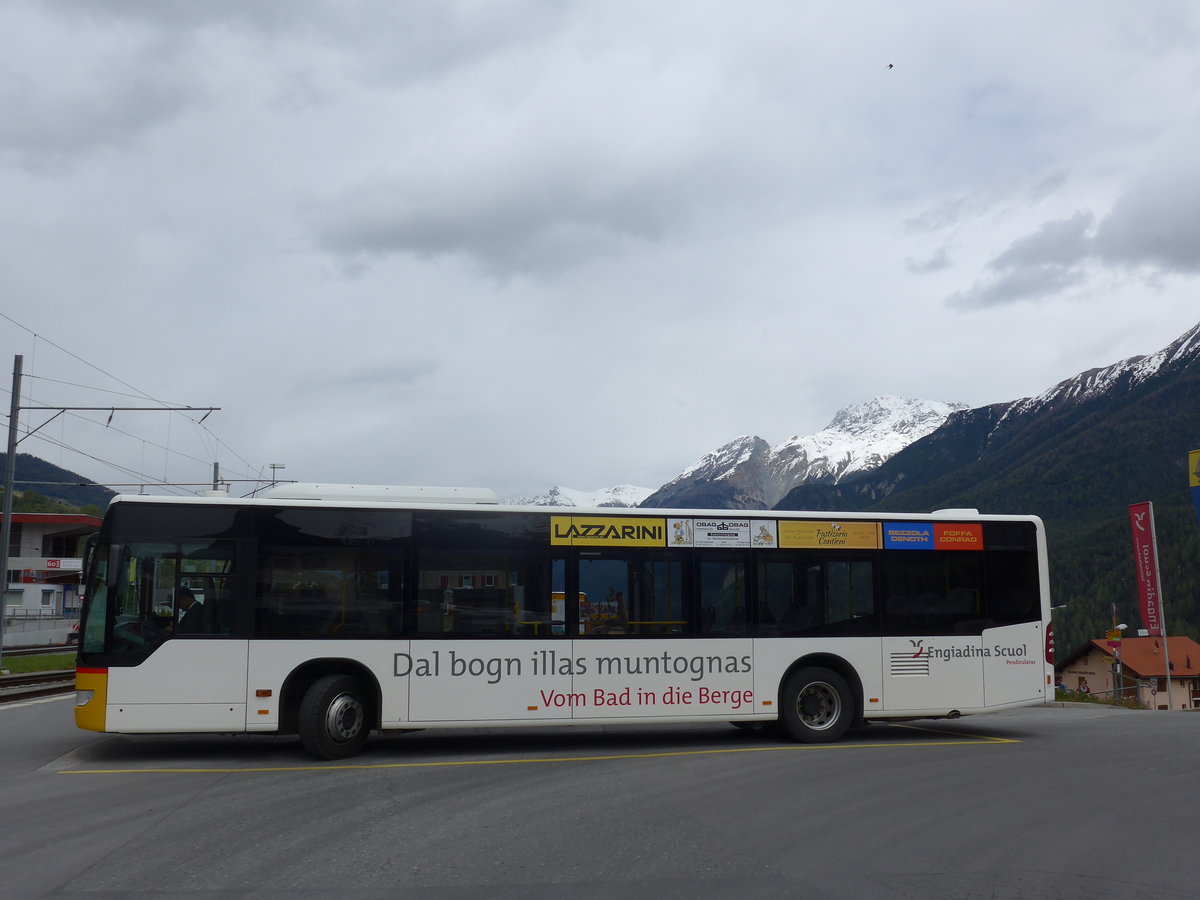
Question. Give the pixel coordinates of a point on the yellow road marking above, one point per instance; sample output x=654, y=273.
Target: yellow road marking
x=966, y=740
x=978, y=737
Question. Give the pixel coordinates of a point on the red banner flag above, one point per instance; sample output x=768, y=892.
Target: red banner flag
x=1145, y=550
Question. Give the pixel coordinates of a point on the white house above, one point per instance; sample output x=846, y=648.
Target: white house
x=45, y=563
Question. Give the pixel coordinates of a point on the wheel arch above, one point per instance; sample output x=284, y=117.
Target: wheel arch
x=301, y=678
x=829, y=661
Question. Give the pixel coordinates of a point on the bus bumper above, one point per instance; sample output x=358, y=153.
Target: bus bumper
x=91, y=698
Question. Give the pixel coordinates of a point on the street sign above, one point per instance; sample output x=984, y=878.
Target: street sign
x=1194, y=478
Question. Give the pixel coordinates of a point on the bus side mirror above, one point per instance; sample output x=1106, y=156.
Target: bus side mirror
x=116, y=552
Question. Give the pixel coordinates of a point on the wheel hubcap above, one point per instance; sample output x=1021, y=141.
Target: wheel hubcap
x=819, y=705
x=344, y=718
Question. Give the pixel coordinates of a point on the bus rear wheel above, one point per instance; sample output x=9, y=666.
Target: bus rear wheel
x=818, y=706
x=333, y=717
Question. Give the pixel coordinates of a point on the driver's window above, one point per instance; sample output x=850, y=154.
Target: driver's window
x=172, y=590
x=141, y=605
x=203, y=601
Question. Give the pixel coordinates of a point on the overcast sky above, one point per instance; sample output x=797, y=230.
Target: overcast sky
x=525, y=243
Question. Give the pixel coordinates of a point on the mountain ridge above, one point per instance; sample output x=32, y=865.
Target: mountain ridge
x=748, y=472
x=974, y=448
x=31, y=473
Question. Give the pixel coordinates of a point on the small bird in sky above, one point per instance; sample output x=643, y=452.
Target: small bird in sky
x=889, y=65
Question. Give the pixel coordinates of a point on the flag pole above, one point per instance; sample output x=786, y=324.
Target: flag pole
x=1145, y=548
x=10, y=465
x=1162, y=607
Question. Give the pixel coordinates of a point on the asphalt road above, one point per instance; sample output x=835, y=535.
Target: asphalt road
x=1080, y=802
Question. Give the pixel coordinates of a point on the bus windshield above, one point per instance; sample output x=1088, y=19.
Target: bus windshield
x=141, y=593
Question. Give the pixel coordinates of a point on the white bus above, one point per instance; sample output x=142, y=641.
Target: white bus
x=332, y=611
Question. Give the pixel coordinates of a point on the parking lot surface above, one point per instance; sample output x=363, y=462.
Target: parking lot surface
x=1046, y=802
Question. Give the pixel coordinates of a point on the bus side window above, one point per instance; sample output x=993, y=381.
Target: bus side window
x=657, y=605
x=790, y=596
x=1012, y=579
x=933, y=592
x=722, y=594
x=603, y=587
x=479, y=592
x=633, y=593
x=849, y=591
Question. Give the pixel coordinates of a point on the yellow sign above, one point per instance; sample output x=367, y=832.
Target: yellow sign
x=1194, y=467
x=607, y=531
x=824, y=535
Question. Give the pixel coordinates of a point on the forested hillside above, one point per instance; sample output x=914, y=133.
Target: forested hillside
x=44, y=482
x=1092, y=569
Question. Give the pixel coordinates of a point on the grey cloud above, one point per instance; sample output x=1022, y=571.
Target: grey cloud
x=42, y=141
x=110, y=98
x=950, y=212
x=1154, y=226
x=519, y=227
x=387, y=378
x=1047, y=186
x=1061, y=243
x=957, y=210
x=187, y=15
x=1157, y=224
x=939, y=261
x=1019, y=283
x=383, y=40
x=1043, y=263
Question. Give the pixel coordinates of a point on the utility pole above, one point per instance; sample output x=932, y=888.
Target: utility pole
x=10, y=465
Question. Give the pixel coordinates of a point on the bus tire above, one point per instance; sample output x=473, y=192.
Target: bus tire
x=333, y=720
x=818, y=706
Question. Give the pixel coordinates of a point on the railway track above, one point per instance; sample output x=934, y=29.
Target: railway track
x=36, y=684
x=39, y=651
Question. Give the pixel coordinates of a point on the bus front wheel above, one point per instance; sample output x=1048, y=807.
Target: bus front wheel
x=333, y=717
x=818, y=706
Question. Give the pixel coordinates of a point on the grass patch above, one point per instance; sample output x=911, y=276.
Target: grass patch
x=43, y=662
x=1102, y=700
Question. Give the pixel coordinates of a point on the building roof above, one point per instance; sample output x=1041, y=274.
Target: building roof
x=57, y=519
x=1144, y=657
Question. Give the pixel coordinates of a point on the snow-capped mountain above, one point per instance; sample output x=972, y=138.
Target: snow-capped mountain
x=622, y=495
x=750, y=473
x=860, y=437
x=1124, y=375
x=870, y=450
x=1126, y=427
